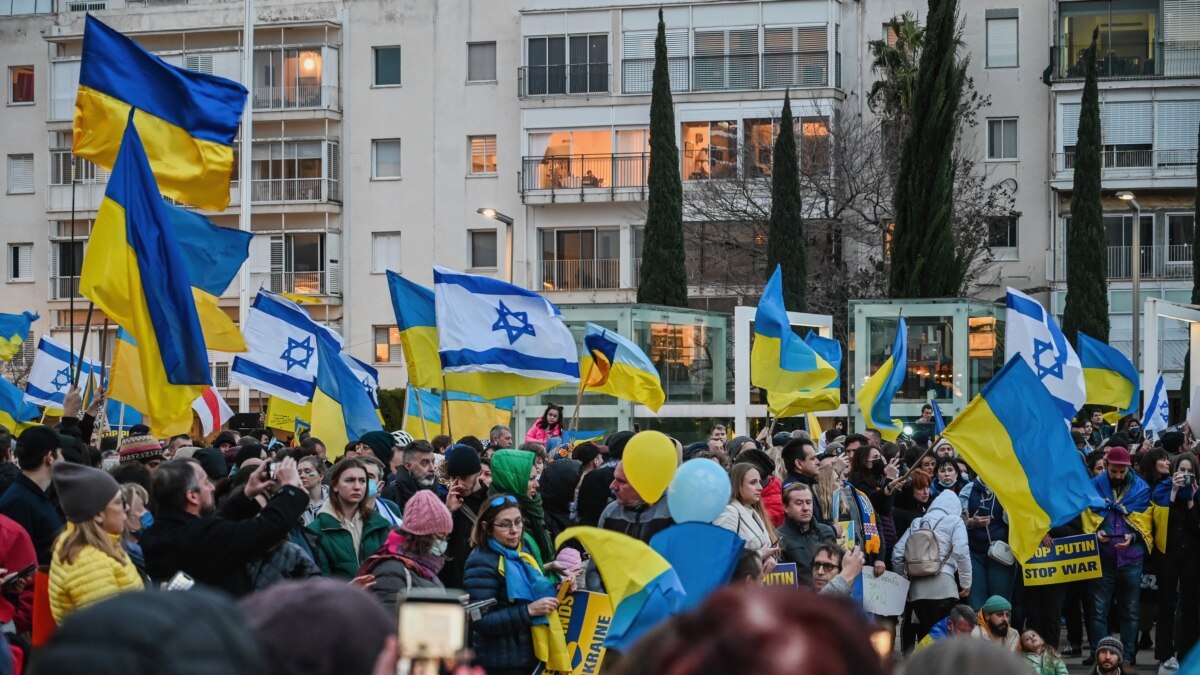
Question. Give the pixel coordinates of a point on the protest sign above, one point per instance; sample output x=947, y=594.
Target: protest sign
x=585, y=618
x=784, y=574
x=1067, y=559
x=884, y=595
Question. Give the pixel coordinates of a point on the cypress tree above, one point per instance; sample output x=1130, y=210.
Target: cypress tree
x=1086, y=306
x=785, y=238
x=663, y=276
x=924, y=263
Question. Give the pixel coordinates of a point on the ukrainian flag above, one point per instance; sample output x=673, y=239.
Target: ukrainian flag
x=473, y=415
x=342, y=407
x=135, y=271
x=828, y=397
x=619, y=368
x=189, y=120
x=415, y=317
x=285, y=415
x=15, y=413
x=13, y=329
x=423, y=427
x=1013, y=435
x=213, y=256
x=1110, y=378
x=779, y=360
x=642, y=585
x=875, y=397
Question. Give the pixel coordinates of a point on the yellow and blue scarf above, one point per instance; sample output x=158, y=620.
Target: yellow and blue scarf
x=1133, y=506
x=872, y=542
x=524, y=581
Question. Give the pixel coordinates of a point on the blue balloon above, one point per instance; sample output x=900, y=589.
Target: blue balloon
x=699, y=492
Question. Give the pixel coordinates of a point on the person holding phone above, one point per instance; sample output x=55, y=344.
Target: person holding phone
x=1176, y=556
x=89, y=564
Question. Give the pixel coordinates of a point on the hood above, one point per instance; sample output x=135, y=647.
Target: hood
x=558, y=484
x=510, y=471
x=946, y=503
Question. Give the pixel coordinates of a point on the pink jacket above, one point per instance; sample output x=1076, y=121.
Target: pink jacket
x=537, y=434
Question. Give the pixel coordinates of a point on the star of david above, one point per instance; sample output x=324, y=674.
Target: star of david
x=304, y=347
x=514, y=332
x=366, y=383
x=1055, y=368
x=61, y=379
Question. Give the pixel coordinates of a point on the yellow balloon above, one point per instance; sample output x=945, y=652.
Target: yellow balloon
x=650, y=464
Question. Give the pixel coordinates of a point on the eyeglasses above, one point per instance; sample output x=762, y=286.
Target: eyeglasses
x=501, y=500
x=514, y=524
x=825, y=567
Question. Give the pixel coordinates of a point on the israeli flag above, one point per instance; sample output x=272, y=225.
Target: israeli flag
x=1030, y=331
x=1156, y=416
x=366, y=374
x=281, y=349
x=513, y=337
x=51, y=373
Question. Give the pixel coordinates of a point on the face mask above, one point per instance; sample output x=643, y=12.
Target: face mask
x=147, y=519
x=439, y=547
x=944, y=484
x=372, y=488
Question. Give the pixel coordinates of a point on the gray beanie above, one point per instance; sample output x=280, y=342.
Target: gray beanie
x=83, y=492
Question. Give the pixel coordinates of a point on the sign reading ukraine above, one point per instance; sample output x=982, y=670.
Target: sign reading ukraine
x=586, y=618
x=1067, y=559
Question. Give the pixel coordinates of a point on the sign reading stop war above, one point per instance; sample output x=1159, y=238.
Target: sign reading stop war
x=1066, y=559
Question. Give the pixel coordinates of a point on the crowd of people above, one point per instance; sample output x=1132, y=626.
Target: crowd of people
x=289, y=551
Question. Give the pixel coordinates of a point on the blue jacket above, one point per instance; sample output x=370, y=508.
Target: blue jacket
x=32, y=509
x=501, y=638
x=983, y=502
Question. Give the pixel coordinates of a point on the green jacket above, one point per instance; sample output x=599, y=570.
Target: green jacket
x=335, y=547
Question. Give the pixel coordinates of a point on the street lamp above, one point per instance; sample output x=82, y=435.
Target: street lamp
x=1135, y=269
x=493, y=214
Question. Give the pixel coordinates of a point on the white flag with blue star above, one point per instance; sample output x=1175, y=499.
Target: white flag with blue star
x=1157, y=415
x=498, y=340
x=281, y=349
x=1031, y=332
x=51, y=373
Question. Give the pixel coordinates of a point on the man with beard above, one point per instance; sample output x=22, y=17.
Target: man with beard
x=214, y=548
x=993, y=623
x=464, y=494
x=414, y=473
x=1108, y=657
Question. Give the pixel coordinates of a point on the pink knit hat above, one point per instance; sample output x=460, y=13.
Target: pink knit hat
x=426, y=514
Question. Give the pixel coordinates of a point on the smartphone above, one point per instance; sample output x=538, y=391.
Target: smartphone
x=271, y=470
x=1189, y=478
x=433, y=624
x=26, y=571
x=180, y=582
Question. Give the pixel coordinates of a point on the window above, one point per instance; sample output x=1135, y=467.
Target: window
x=710, y=150
x=1180, y=228
x=1002, y=138
x=387, y=66
x=580, y=259
x=220, y=375
x=387, y=345
x=295, y=77
x=483, y=154
x=483, y=249
x=796, y=57
x=728, y=59
x=385, y=252
x=20, y=262
x=304, y=264
x=572, y=64
x=1002, y=38
x=481, y=62
x=1002, y=232
x=20, y=174
x=295, y=171
x=387, y=159
x=20, y=90
x=1130, y=41
x=66, y=262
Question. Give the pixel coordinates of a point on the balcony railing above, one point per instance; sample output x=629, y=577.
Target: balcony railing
x=564, y=80
x=776, y=70
x=275, y=190
x=301, y=283
x=295, y=97
x=580, y=275
x=1156, y=262
x=1135, y=163
x=63, y=288
x=584, y=174
x=1141, y=61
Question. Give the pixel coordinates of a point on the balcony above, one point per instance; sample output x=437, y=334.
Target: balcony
x=296, y=97
x=281, y=190
x=1115, y=164
x=1156, y=262
x=581, y=275
x=63, y=288
x=1144, y=61
x=300, y=283
x=586, y=79
x=736, y=72
x=614, y=177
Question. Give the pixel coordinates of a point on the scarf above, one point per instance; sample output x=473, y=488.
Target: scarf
x=523, y=580
x=871, y=541
x=425, y=564
x=1133, y=506
x=510, y=474
x=1160, y=509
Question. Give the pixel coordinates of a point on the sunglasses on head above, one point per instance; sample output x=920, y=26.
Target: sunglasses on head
x=501, y=500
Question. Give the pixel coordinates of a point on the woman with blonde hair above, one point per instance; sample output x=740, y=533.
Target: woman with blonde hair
x=829, y=479
x=746, y=516
x=89, y=563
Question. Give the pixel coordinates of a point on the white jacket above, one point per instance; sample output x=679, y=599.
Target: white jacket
x=951, y=533
x=746, y=523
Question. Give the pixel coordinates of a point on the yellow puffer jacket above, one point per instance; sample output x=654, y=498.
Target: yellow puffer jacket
x=93, y=576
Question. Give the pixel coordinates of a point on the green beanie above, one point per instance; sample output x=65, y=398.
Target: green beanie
x=996, y=603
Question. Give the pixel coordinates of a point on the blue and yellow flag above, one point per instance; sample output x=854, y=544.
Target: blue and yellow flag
x=213, y=256
x=779, y=360
x=188, y=119
x=473, y=415
x=1110, y=378
x=642, y=585
x=15, y=413
x=616, y=366
x=829, y=397
x=874, y=398
x=422, y=413
x=342, y=407
x=285, y=415
x=415, y=317
x=135, y=271
x=1013, y=435
x=13, y=329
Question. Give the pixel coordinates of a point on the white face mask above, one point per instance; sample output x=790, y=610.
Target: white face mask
x=439, y=547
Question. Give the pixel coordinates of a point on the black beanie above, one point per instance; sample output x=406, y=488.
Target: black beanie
x=616, y=444
x=382, y=444
x=462, y=461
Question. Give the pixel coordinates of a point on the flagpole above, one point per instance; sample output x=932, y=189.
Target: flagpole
x=446, y=408
x=421, y=412
x=579, y=396
x=121, y=423
x=101, y=416
x=73, y=283
x=244, y=182
x=87, y=326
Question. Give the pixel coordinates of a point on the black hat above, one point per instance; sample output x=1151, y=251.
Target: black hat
x=462, y=461
x=781, y=439
x=1078, y=438
x=760, y=460
x=1172, y=441
x=38, y=441
x=616, y=443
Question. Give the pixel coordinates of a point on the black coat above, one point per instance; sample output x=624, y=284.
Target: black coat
x=797, y=546
x=216, y=549
x=402, y=487
x=458, y=546
x=33, y=509
x=501, y=638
